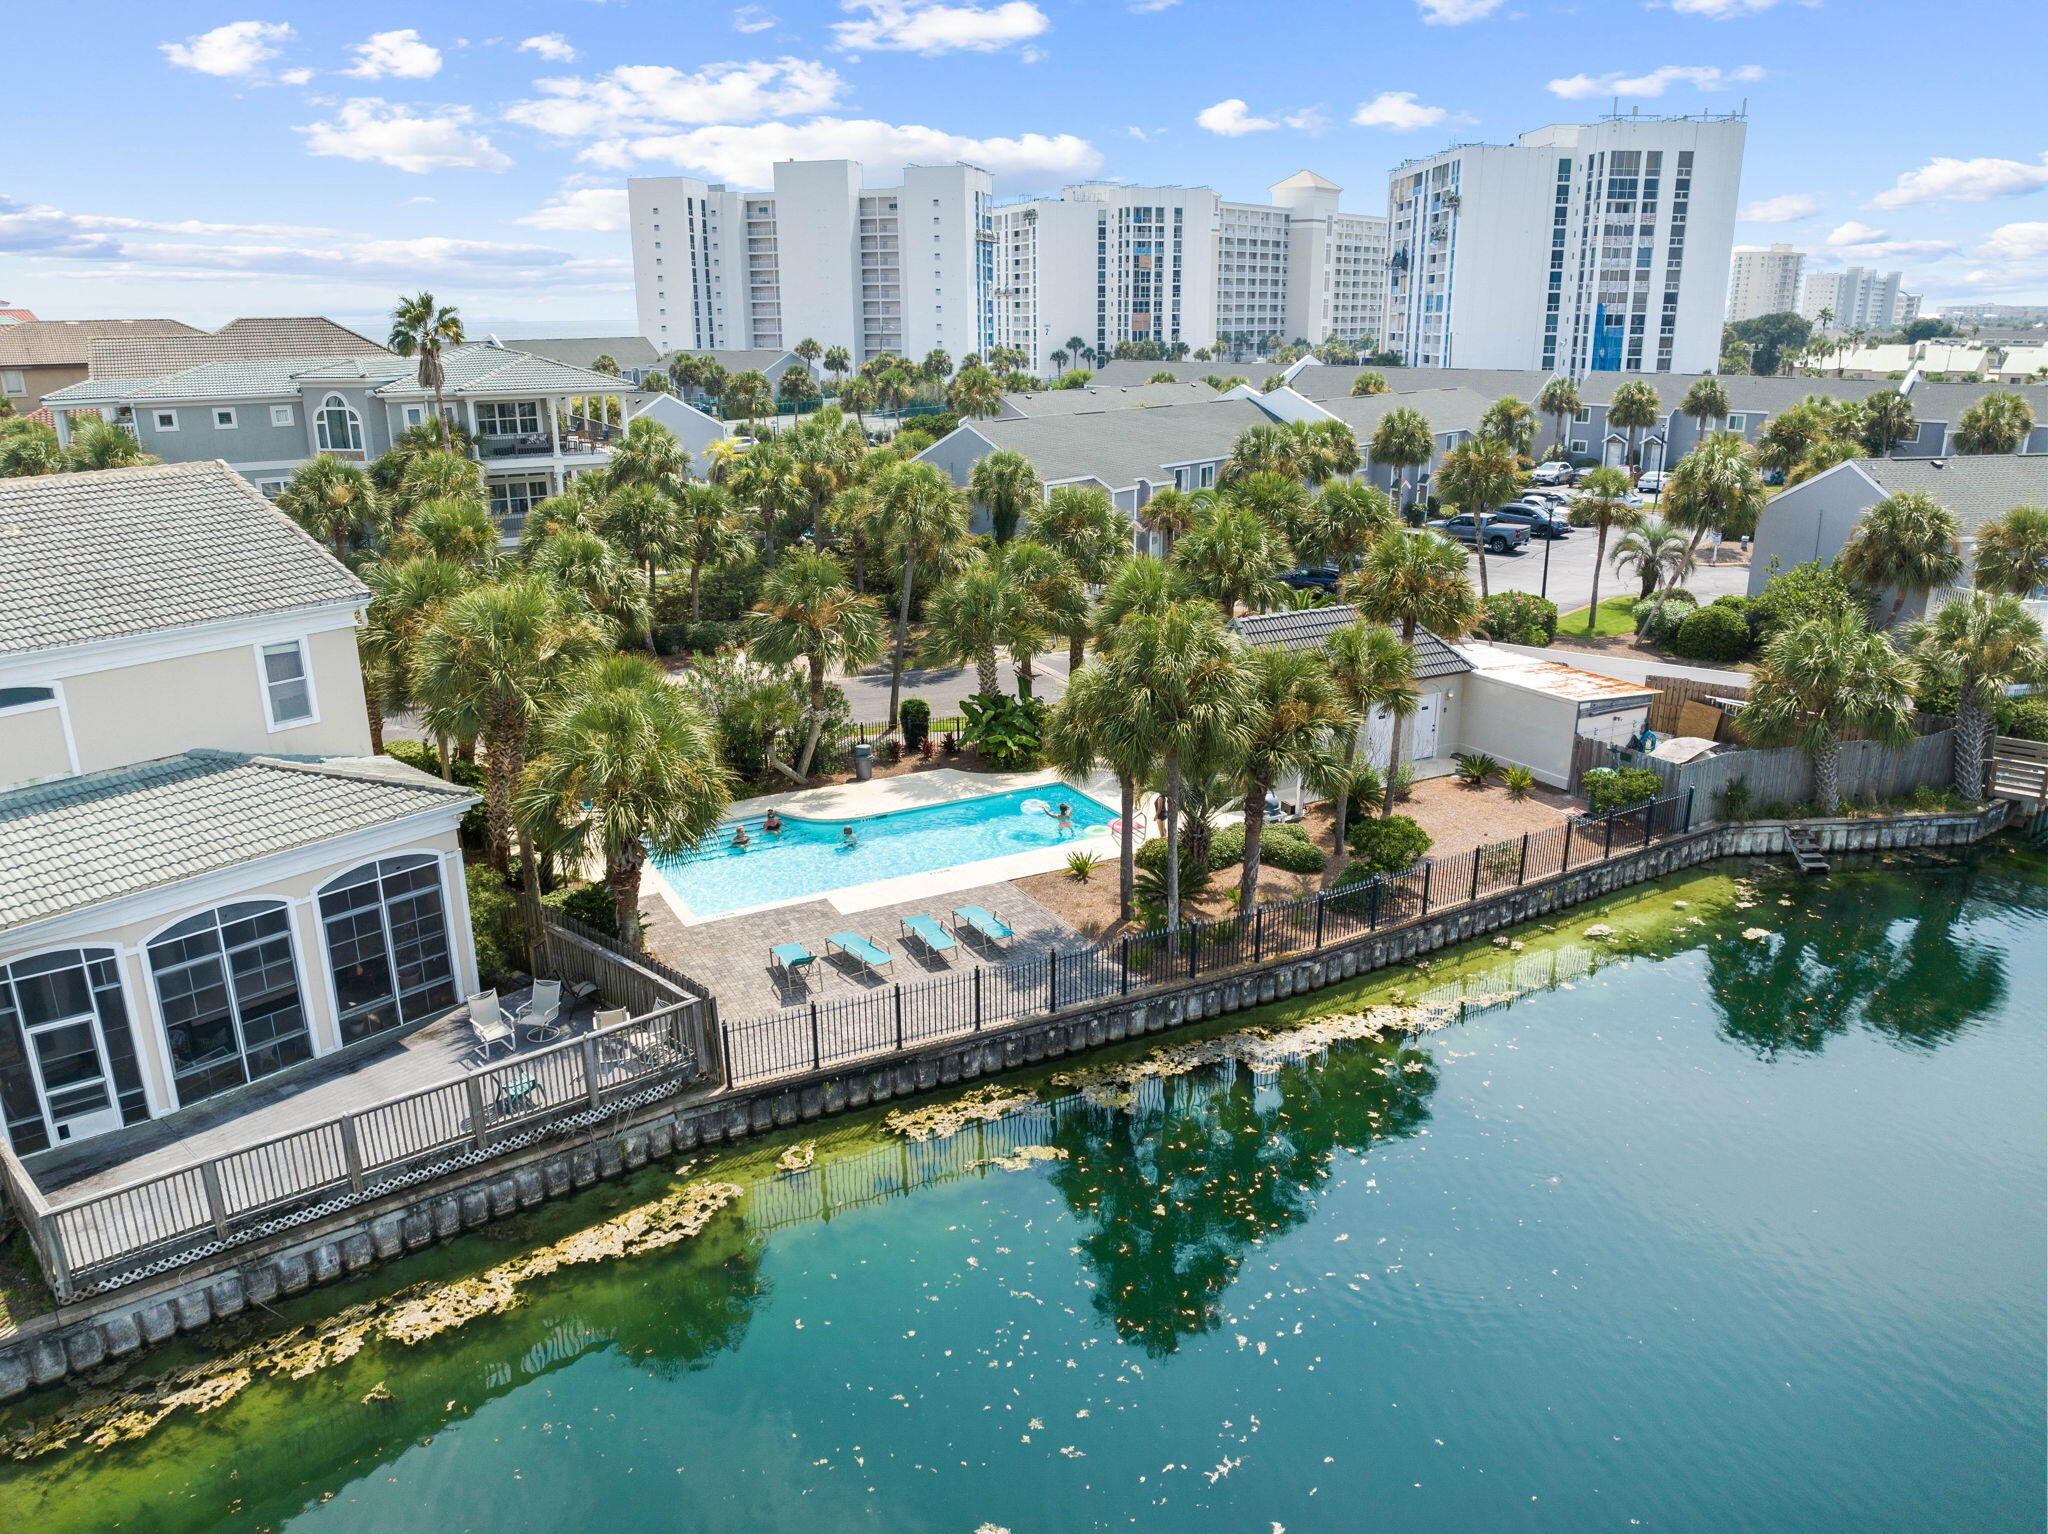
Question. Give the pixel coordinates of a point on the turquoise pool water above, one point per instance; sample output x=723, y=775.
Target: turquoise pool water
x=808, y=857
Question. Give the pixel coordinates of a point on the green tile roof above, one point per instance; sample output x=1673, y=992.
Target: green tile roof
x=87, y=557
x=82, y=841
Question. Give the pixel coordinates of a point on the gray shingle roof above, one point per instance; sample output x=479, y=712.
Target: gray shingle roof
x=582, y=351
x=57, y=343
x=87, y=557
x=309, y=336
x=241, y=378
x=1311, y=628
x=1044, y=403
x=481, y=369
x=1325, y=383
x=84, y=840
x=1119, y=447
x=1123, y=374
x=1976, y=488
x=1446, y=410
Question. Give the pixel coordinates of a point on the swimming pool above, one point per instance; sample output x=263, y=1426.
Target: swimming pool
x=807, y=858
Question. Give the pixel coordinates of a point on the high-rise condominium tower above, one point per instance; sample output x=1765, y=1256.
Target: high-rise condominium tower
x=1580, y=247
x=1765, y=282
x=1854, y=298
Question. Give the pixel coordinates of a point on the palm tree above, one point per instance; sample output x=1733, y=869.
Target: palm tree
x=1057, y=595
x=1560, y=401
x=1416, y=580
x=1078, y=349
x=1328, y=450
x=809, y=613
x=436, y=476
x=493, y=660
x=923, y=520
x=1369, y=382
x=1716, y=486
x=1141, y=585
x=646, y=523
x=975, y=614
x=837, y=362
x=1476, y=475
x=30, y=448
x=1908, y=544
x=333, y=501
x=97, y=444
x=1996, y=423
x=2012, y=552
x=1658, y=554
x=1183, y=684
x=605, y=363
x=421, y=328
x=456, y=529
x=857, y=395
x=1262, y=450
x=405, y=595
x=1292, y=707
x=1888, y=420
x=1093, y=727
x=628, y=765
x=810, y=350
x=1350, y=517
x=1006, y=486
x=1706, y=400
x=708, y=534
x=823, y=453
x=749, y=393
x=592, y=567
x=1087, y=530
x=795, y=387
x=894, y=389
x=1404, y=443
x=1233, y=555
x=1980, y=644
x=1170, y=513
x=1508, y=420
x=1603, y=507
x=1635, y=408
x=975, y=392
x=1825, y=680
x=1373, y=671
x=647, y=453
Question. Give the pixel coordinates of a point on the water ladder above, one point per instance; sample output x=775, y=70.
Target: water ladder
x=1805, y=850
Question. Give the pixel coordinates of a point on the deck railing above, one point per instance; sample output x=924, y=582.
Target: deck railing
x=110, y=1238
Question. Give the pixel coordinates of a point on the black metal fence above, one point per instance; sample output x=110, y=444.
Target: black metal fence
x=940, y=726
x=896, y=1017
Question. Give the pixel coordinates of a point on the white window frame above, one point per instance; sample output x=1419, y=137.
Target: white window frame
x=12, y=382
x=355, y=424
x=32, y=705
x=163, y=420
x=281, y=415
x=224, y=425
x=264, y=684
x=271, y=489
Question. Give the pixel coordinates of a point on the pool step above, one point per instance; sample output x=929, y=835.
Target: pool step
x=1805, y=850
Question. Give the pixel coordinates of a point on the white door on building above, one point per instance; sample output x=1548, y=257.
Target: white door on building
x=1616, y=452
x=71, y=1071
x=1422, y=727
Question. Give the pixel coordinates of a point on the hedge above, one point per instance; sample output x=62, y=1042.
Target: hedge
x=1386, y=845
x=1712, y=633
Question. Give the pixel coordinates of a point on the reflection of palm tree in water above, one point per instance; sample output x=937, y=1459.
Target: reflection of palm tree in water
x=1876, y=951
x=1177, y=1195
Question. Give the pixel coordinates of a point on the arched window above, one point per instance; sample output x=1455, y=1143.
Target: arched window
x=387, y=944
x=229, y=993
x=67, y=1061
x=337, y=428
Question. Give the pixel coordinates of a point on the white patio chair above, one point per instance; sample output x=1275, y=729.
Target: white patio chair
x=539, y=1017
x=488, y=1026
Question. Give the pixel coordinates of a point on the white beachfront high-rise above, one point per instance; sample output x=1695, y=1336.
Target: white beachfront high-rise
x=1765, y=282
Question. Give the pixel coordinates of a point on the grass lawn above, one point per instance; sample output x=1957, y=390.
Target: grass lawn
x=1617, y=616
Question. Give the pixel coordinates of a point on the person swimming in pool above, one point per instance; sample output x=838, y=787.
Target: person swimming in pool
x=772, y=824
x=847, y=838
x=1063, y=817
x=740, y=837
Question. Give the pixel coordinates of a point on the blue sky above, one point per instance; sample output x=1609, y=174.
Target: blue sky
x=208, y=160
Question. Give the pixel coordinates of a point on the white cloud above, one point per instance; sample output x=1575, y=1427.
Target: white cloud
x=1656, y=82
x=636, y=98
x=398, y=55
x=1946, y=180
x=415, y=139
x=1147, y=7
x=239, y=48
x=295, y=76
x=1233, y=119
x=2015, y=242
x=1779, y=210
x=746, y=154
x=601, y=209
x=1455, y=13
x=1398, y=110
x=1853, y=233
x=1721, y=10
x=551, y=46
x=905, y=26
x=753, y=18
x=1855, y=241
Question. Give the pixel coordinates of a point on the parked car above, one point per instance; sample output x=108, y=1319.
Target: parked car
x=1651, y=483
x=1313, y=578
x=1500, y=536
x=1554, y=471
x=1542, y=521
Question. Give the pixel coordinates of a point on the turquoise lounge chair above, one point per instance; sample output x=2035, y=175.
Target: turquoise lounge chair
x=990, y=927
x=792, y=960
x=927, y=931
x=854, y=946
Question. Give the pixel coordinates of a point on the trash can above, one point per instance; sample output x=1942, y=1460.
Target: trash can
x=863, y=762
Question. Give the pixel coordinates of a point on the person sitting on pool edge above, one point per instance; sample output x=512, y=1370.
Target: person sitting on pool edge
x=847, y=837
x=772, y=823
x=740, y=837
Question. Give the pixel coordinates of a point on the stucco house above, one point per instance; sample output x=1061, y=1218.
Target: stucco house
x=1814, y=519
x=206, y=878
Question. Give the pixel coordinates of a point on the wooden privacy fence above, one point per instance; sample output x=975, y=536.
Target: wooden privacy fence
x=883, y=1021
x=1674, y=692
x=162, y=1221
x=1784, y=775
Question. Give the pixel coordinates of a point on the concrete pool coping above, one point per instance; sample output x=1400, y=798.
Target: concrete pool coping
x=910, y=791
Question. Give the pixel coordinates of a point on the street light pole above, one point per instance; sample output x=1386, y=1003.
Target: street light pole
x=1547, y=542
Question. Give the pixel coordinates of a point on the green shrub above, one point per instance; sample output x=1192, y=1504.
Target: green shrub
x=1402, y=780
x=1659, y=623
x=1520, y=782
x=1733, y=802
x=1388, y=844
x=493, y=924
x=915, y=717
x=1004, y=729
x=1616, y=788
x=1287, y=847
x=1225, y=847
x=1712, y=633
x=700, y=638
x=1474, y=770
x=1518, y=617
x=590, y=904
x=2024, y=718
x=1816, y=589
x=1081, y=865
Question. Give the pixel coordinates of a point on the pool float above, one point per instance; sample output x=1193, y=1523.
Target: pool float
x=1033, y=807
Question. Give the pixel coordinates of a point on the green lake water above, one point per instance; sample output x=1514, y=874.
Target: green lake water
x=1714, y=1233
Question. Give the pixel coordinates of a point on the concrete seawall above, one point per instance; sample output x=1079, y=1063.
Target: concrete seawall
x=83, y=1336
